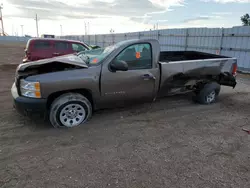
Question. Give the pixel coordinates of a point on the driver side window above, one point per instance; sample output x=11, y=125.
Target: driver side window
x=137, y=56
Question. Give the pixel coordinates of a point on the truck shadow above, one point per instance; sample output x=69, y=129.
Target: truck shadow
x=163, y=103
x=36, y=122
x=180, y=102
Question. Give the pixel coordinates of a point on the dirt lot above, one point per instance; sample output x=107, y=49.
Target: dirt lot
x=11, y=52
x=170, y=143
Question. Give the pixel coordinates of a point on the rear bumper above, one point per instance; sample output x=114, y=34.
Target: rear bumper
x=25, y=105
x=228, y=79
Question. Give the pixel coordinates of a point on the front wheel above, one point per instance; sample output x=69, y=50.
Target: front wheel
x=70, y=110
x=208, y=94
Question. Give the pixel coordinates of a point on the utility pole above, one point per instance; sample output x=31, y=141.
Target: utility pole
x=37, y=34
x=22, y=29
x=61, y=29
x=85, y=28
x=12, y=29
x=1, y=19
x=16, y=32
x=88, y=28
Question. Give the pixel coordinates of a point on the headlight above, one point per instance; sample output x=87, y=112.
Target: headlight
x=30, y=89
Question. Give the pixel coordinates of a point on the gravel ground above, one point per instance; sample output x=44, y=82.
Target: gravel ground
x=170, y=143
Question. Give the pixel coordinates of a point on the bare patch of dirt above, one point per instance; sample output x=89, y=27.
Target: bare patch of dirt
x=11, y=53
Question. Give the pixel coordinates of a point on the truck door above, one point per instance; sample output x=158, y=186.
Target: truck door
x=138, y=83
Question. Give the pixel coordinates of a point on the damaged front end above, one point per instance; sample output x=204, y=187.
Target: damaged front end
x=61, y=63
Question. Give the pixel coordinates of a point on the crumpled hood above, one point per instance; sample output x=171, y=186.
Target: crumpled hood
x=71, y=59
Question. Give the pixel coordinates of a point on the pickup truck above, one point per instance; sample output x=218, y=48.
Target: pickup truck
x=67, y=89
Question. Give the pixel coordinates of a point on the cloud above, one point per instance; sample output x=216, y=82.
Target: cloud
x=149, y=17
x=227, y=1
x=200, y=18
x=167, y=3
x=94, y=7
x=162, y=21
x=45, y=13
x=222, y=13
x=137, y=10
x=141, y=19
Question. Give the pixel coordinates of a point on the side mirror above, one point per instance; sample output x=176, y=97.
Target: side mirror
x=119, y=66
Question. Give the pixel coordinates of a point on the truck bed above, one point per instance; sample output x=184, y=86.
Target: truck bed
x=180, y=67
x=168, y=56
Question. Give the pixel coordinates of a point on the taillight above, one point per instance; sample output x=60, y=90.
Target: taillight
x=234, y=72
x=27, y=54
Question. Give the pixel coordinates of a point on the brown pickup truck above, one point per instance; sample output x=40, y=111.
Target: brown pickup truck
x=67, y=89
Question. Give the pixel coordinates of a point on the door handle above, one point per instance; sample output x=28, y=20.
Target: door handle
x=147, y=77
x=56, y=53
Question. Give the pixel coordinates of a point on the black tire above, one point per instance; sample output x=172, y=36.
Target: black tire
x=69, y=99
x=205, y=94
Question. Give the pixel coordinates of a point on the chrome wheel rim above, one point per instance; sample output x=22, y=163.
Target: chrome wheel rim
x=211, y=97
x=72, y=115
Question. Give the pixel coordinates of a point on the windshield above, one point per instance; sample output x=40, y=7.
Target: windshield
x=94, y=57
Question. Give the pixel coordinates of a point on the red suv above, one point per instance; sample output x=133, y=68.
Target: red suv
x=42, y=48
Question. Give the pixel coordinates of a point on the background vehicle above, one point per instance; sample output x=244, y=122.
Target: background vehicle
x=69, y=87
x=42, y=48
x=47, y=36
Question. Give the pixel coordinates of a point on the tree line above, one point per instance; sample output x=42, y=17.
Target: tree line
x=245, y=19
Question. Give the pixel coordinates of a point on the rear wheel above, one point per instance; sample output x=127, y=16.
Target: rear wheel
x=208, y=93
x=70, y=110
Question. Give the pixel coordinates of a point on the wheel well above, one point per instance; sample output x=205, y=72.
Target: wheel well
x=84, y=92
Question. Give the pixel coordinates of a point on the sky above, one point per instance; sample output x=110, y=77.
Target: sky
x=69, y=17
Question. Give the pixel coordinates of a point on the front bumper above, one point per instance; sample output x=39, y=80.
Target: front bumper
x=25, y=105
